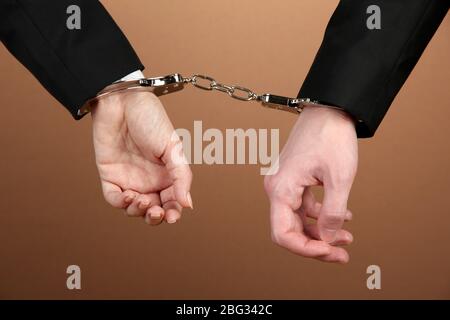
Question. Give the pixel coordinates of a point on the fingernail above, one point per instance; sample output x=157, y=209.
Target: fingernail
x=189, y=199
x=173, y=220
x=155, y=213
x=328, y=235
x=155, y=216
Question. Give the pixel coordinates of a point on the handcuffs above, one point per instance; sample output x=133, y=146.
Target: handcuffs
x=176, y=82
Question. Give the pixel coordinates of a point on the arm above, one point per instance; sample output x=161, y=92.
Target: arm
x=360, y=71
x=73, y=65
x=133, y=137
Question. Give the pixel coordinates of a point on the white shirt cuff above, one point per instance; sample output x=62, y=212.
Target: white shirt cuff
x=136, y=75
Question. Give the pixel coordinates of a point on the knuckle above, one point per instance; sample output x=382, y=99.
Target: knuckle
x=281, y=188
x=154, y=200
x=268, y=184
x=277, y=237
x=342, y=179
x=189, y=174
x=333, y=218
x=272, y=184
x=166, y=195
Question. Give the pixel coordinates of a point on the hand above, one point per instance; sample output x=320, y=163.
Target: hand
x=321, y=150
x=135, y=147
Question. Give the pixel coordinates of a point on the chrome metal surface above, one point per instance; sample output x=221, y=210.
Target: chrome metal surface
x=176, y=82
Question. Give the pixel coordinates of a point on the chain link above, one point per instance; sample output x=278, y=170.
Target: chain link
x=171, y=83
x=208, y=83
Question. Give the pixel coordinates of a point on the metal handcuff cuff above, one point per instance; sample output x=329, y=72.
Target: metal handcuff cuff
x=175, y=82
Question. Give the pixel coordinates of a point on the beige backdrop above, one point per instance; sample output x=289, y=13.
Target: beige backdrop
x=53, y=213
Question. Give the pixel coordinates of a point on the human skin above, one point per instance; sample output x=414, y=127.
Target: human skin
x=134, y=146
x=322, y=150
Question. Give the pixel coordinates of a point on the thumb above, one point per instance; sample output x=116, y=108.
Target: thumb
x=180, y=173
x=332, y=212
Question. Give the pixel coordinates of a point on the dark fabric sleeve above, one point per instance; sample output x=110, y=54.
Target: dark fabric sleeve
x=73, y=65
x=362, y=70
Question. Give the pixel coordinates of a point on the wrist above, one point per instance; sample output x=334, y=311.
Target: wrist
x=328, y=113
x=90, y=105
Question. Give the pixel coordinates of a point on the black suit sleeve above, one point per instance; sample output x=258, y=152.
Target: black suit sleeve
x=73, y=65
x=361, y=70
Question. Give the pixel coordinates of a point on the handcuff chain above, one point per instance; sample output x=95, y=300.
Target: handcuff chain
x=208, y=83
x=175, y=82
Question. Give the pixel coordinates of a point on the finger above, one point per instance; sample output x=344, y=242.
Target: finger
x=311, y=207
x=170, y=205
x=141, y=203
x=116, y=197
x=287, y=231
x=329, y=224
x=172, y=211
x=154, y=215
x=315, y=214
x=179, y=171
x=333, y=210
x=168, y=194
x=336, y=255
x=343, y=237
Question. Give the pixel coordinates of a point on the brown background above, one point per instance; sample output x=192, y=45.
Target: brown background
x=53, y=213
